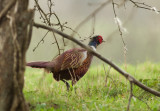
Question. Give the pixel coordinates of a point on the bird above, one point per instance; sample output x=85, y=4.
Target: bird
x=71, y=64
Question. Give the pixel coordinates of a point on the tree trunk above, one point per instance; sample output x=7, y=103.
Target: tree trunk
x=14, y=41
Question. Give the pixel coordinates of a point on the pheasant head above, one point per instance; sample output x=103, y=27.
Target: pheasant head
x=95, y=41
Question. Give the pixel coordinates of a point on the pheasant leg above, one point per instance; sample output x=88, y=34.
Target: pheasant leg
x=67, y=84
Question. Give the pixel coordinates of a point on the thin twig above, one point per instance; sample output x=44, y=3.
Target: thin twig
x=122, y=72
x=59, y=52
x=47, y=22
x=42, y=40
x=85, y=38
x=121, y=34
x=131, y=95
x=119, y=27
x=41, y=11
x=125, y=23
x=143, y=101
x=144, y=6
x=60, y=27
x=107, y=74
x=72, y=30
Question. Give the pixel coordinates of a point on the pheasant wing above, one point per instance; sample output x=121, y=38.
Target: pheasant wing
x=73, y=58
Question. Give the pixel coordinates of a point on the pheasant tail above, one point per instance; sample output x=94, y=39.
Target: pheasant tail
x=38, y=64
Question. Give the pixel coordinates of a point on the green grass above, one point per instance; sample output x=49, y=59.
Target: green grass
x=90, y=93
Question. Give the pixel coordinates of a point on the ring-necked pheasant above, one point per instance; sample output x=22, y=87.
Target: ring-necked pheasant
x=70, y=65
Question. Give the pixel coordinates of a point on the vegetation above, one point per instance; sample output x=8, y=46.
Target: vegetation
x=90, y=94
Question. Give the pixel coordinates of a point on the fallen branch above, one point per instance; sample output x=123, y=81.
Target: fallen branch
x=125, y=74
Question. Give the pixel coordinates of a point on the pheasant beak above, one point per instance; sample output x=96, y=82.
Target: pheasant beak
x=103, y=41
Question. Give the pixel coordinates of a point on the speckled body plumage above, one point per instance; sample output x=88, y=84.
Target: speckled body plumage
x=73, y=73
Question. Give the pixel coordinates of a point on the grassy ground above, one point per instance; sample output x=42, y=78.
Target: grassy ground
x=92, y=93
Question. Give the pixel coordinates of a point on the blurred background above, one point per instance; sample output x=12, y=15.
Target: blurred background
x=142, y=37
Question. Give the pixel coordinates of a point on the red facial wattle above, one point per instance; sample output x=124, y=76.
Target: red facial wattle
x=100, y=39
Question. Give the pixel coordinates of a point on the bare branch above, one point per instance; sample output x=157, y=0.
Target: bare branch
x=42, y=13
x=47, y=21
x=144, y=6
x=125, y=74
